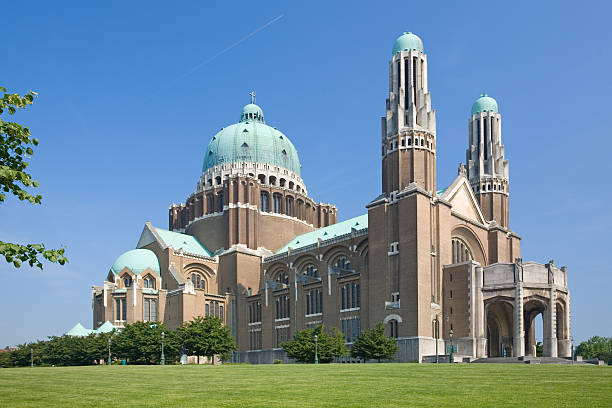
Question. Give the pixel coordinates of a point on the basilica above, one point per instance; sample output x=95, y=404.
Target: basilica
x=434, y=264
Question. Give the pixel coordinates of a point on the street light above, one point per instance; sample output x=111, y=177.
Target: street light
x=437, y=333
x=572, y=349
x=109, y=356
x=31, y=357
x=316, y=338
x=163, y=359
x=451, y=358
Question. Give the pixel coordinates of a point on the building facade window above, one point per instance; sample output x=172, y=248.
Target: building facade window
x=255, y=339
x=215, y=308
x=210, y=204
x=351, y=328
x=264, y=202
x=282, y=307
x=282, y=278
x=461, y=252
x=120, y=309
x=393, y=328
x=289, y=206
x=276, y=203
x=148, y=282
x=127, y=281
x=343, y=264
x=282, y=335
x=198, y=281
x=350, y=296
x=312, y=271
x=255, y=312
x=221, y=203
x=150, y=310
x=314, y=302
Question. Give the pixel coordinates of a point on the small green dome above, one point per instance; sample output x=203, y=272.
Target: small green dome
x=484, y=104
x=137, y=260
x=251, y=140
x=406, y=42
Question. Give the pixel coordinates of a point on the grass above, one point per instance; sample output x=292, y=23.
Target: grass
x=328, y=385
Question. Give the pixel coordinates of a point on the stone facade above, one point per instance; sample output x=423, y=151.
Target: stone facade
x=249, y=245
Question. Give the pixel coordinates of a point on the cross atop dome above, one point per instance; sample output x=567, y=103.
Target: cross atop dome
x=252, y=93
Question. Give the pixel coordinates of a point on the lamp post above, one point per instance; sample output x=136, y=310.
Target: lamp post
x=109, y=355
x=163, y=358
x=316, y=338
x=451, y=358
x=437, y=333
x=31, y=357
x=572, y=345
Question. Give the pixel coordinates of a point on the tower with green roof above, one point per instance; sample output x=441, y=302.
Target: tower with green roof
x=487, y=167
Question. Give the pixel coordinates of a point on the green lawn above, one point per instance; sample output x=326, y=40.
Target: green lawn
x=334, y=385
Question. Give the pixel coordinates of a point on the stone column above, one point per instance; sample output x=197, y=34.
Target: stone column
x=550, y=342
x=519, y=330
x=479, y=315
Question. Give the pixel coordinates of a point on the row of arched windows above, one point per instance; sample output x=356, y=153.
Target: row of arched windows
x=292, y=207
x=461, y=252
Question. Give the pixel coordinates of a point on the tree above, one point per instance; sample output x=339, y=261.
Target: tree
x=596, y=347
x=140, y=343
x=206, y=336
x=15, y=147
x=374, y=345
x=329, y=345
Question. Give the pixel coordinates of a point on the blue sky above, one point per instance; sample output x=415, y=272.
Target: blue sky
x=132, y=92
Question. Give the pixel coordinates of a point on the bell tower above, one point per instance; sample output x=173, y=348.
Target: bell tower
x=487, y=166
x=409, y=128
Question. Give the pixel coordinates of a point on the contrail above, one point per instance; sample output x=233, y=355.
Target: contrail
x=223, y=51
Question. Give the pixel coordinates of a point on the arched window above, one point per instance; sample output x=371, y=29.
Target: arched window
x=282, y=277
x=218, y=180
x=127, y=281
x=262, y=178
x=289, y=206
x=272, y=180
x=265, y=205
x=148, y=282
x=282, y=182
x=198, y=281
x=393, y=328
x=461, y=252
x=220, y=202
x=343, y=263
x=277, y=201
x=311, y=270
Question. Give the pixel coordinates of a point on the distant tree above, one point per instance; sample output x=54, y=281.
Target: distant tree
x=539, y=349
x=329, y=345
x=374, y=345
x=15, y=147
x=596, y=347
x=206, y=336
x=140, y=343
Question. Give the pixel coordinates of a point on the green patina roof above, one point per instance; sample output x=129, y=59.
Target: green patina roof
x=80, y=331
x=406, y=42
x=137, y=260
x=325, y=233
x=107, y=327
x=251, y=140
x=484, y=104
x=185, y=242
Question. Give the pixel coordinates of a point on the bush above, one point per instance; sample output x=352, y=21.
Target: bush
x=302, y=347
x=277, y=361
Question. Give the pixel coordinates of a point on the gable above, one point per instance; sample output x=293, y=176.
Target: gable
x=459, y=194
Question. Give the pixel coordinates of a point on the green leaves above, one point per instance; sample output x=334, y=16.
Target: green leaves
x=329, y=345
x=596, y=347
x=16, y=254
x=374, y=345
x=15, y=148
x=206, y=336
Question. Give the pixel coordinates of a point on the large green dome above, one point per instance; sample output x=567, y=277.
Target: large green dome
x=136, y=260
x=407, y=42
x=484, y=104
x=251, y=140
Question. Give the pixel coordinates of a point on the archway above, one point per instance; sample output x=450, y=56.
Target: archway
x=531, y=310
x=499, y=328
